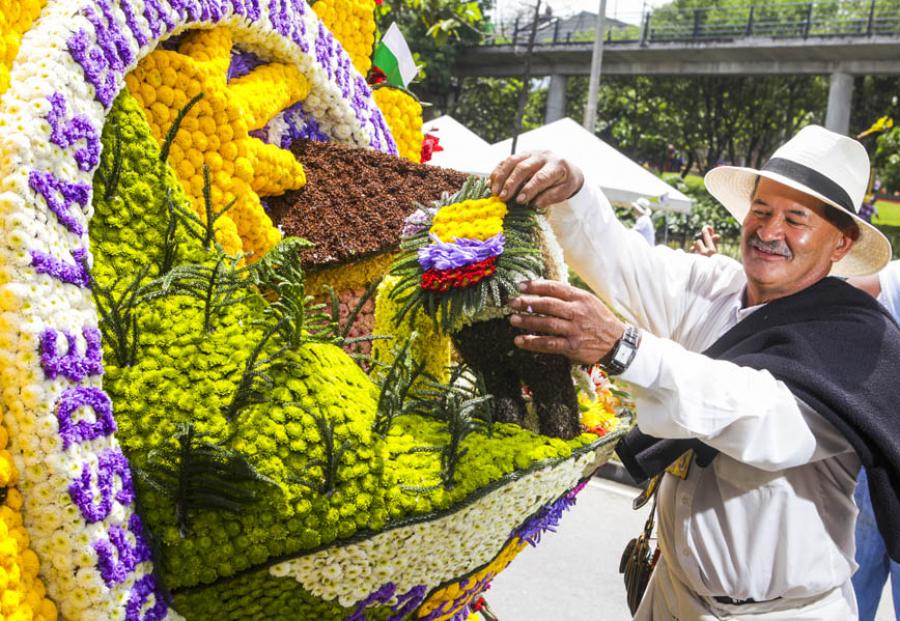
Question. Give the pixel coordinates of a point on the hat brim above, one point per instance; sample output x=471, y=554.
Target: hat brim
x=733, y=186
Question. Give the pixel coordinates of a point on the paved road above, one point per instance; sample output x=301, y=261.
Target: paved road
x=573, y=574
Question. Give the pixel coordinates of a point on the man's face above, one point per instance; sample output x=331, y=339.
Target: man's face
x=786, y=242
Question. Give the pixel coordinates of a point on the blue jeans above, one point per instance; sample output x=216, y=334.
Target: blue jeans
x=872, y=557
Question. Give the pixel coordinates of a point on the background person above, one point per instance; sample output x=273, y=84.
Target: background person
x=706, y=242
x=643, y=224
x=875, y=564
x=760, y=523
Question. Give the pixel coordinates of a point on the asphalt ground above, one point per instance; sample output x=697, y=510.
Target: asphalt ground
x=573, y=574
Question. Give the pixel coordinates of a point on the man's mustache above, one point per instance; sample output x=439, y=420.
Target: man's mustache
x=776, y=246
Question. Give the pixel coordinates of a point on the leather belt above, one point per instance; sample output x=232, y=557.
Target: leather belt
x=724, y=599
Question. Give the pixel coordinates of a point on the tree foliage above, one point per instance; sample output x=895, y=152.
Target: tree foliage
x=436, y=31
x=487, y=106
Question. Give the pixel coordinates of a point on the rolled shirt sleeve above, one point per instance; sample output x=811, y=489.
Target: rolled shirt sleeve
x=646, y=284
x=745, y=413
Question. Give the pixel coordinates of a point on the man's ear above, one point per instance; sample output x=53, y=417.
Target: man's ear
x=844, y=244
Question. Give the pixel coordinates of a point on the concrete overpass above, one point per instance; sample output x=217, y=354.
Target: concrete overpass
x=871, y=47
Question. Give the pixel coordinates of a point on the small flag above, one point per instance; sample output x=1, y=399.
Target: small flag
x=393, y=57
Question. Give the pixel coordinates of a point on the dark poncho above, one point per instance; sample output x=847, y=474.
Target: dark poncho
x=838, y=350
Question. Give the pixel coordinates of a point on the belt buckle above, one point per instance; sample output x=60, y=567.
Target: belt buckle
x=724, y=599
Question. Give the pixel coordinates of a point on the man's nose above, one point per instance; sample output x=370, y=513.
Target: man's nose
x=771, y=229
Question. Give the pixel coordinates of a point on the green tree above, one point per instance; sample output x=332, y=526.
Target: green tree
x=487, y=106
x=887, y=159
x=436, y=31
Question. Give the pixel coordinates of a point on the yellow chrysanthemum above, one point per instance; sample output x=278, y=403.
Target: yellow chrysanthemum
x=216, y=132
x=471, y=219
x=16, y=18
x=453, y=599
x=429, y=346
x=352, y=22
x=22, y=594
x=359, y=274
x=598, y=416
x=403, y=115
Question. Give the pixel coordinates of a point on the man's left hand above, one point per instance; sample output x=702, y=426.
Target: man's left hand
x=567, y=320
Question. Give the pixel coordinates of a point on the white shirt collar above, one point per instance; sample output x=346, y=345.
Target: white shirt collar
x=742, y=313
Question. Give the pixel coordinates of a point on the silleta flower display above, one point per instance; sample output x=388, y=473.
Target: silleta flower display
x=183, y=435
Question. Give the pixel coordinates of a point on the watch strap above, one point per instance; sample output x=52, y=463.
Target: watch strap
x=622, y=354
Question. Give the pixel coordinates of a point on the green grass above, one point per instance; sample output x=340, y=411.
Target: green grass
x=888, y=213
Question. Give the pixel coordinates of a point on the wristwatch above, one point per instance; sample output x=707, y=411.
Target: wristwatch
x=623, y=352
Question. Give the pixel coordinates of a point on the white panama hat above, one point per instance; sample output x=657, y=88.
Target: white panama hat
x=642, y=206
x=823, y=164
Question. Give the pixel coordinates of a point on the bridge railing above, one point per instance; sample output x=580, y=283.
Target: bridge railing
x=816, y=18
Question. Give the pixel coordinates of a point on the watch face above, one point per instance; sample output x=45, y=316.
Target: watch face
x=622, y=355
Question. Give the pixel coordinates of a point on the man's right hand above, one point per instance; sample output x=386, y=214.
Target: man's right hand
x=536, y=177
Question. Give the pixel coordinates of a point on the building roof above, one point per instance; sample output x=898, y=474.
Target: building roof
x=578, y=27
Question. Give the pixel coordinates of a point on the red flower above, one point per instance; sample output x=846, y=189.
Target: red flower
x=430, y=145
x=441, y=281
x=376, y=76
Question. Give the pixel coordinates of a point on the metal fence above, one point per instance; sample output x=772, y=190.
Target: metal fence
x=816, y=18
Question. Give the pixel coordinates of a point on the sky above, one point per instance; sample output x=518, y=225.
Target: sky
x=625, y=10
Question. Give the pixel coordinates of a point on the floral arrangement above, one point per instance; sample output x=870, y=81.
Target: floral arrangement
x=184, y=431
x=222, y=159
x=16, y=18
x=353, y=24
x=461, y=259
x=403, y=114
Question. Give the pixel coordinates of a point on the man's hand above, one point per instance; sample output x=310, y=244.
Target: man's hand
x=536, y=177
x=569, y=321
x=706, y=243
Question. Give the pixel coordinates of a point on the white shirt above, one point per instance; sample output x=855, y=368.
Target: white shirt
x=889, y=278
x=644, y=226
x=773, y=515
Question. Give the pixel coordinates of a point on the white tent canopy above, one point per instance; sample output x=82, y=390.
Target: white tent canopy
x=464, y=150
x=621, y=179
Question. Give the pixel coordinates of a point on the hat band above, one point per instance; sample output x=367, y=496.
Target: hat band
x=812, y=179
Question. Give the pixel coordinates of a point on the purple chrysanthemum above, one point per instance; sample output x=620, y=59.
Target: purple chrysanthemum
x=447, y=256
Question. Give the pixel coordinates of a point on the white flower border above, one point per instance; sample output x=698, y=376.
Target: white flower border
x=35, y=299
x=410, y=556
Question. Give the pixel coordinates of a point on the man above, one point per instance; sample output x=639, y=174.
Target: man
x=874, y=562
x=794, y=388
x=643, y=224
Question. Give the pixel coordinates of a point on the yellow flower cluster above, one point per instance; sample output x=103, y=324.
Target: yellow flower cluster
x=471, y=219
x=216, y=132
x=429, y=346
x=359, y=274
x=22, y=594
x=352, y=22
x=598, y=416
x=403, y=115
x=16, y=17
x=455, y=598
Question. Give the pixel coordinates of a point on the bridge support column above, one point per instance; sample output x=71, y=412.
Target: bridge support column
x=556, y=98
x=840, y=91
